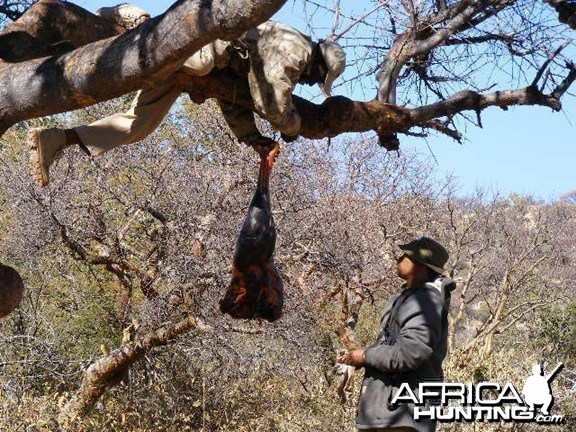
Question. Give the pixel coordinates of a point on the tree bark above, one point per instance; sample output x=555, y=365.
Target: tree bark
x=52, y=27
x=154, y=50
x=470, y=100
x=337, y=115
x=104, y=372
x=109, y=68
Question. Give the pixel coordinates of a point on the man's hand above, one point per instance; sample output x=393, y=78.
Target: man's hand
x=353, y=358
x=259, y=142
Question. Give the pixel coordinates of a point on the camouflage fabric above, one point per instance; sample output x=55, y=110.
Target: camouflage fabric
x=201, y=63
x=124, y=14
x=278, y=56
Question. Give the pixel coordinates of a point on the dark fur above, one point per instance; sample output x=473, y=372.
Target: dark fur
x=255, y=290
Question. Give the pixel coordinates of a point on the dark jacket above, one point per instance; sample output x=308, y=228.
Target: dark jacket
x=410, y=348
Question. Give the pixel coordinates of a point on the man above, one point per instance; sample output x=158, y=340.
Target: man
x=273, y=57
x=412, y=343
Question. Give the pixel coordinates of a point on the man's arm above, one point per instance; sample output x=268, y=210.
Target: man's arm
x=242, y=124
x=277, y=61
x=420, y=320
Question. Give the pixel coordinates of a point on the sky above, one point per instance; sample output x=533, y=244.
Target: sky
x=525, y=150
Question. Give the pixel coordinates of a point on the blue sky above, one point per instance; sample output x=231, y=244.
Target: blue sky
x=527, y=150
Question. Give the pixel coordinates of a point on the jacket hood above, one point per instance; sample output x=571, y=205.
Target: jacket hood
x=443, y=284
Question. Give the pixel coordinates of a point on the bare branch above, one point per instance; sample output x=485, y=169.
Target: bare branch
x=566, y=83
x=548, y=61
x=103, y=372
x=335, y=22
x=468, y=40
x=358, y=21
x=443, y=128
x=470, y=100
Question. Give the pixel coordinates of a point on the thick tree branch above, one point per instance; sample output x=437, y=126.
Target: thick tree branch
x=338, y=115
x=103, y=372
x=566, y=11
x=147, y=57
x=135, y=59
x=51, y=27
x=398, y=55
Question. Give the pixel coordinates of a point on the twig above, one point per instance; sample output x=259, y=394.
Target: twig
x=347, y=29
x=336, y=19
x=442, y=128
x=548, y=61
x=566, y=83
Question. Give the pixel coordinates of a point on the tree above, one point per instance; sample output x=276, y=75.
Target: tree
x=136, y=58
x=152, y=236
x=444, y=58
x=437, y=58
x=142, y=239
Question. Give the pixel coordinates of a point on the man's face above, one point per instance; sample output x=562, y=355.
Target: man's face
x=405, y=267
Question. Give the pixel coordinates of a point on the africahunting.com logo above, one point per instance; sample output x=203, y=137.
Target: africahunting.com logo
x=485, y=401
